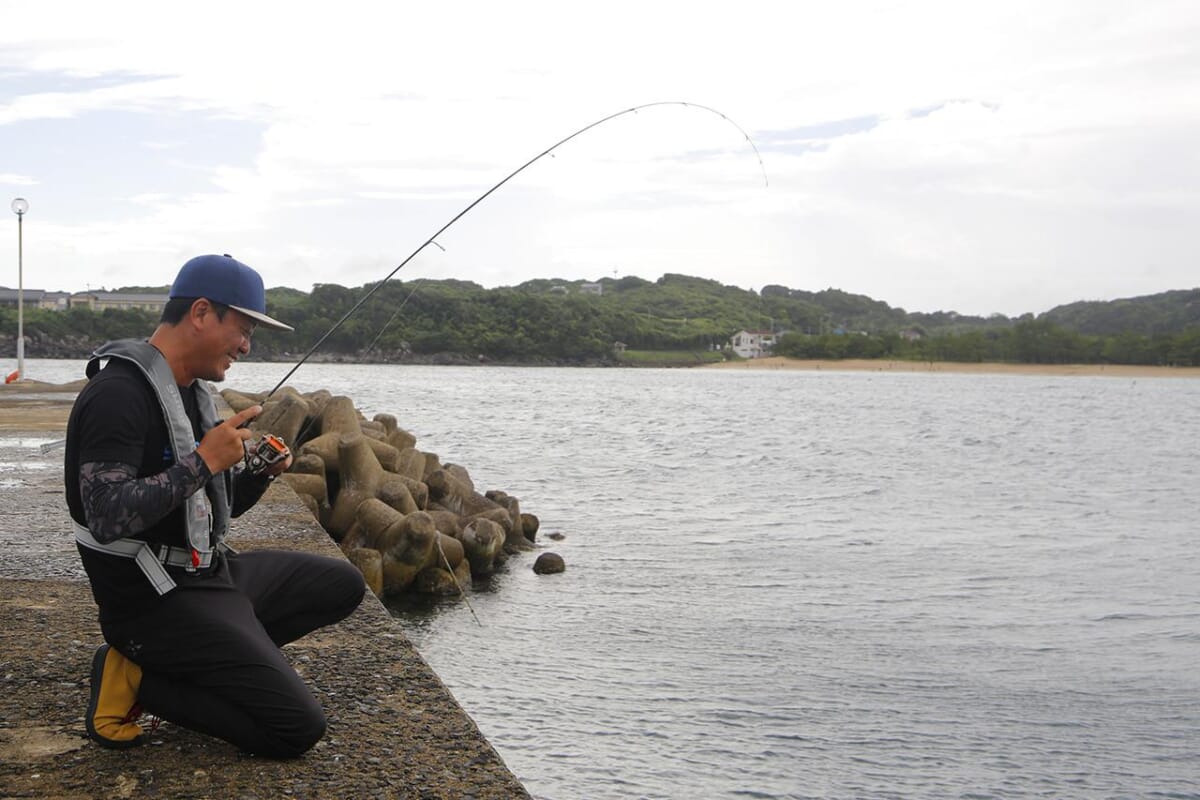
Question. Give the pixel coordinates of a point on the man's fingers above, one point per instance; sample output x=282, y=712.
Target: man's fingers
x=245, y=415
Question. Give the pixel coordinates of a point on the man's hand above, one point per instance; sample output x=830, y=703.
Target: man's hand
x=225, y=445
x=268, y=457
x=280, y=466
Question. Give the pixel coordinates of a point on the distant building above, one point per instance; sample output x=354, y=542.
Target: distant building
x=910, y=335
x=559, y=289
x=99, y=301
x=619, y=347
x=754, y=344
x=8, y=297
x=55, y=301
x=591, y=288
x=34, y=298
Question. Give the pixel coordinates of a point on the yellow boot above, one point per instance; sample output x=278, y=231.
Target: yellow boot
x=112, y=707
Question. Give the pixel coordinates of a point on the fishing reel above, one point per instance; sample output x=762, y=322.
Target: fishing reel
x=266, y=451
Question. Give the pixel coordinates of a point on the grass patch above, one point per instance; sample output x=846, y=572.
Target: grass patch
x=672, y=358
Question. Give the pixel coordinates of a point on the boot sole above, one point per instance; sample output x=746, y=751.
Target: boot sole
x=94, y=700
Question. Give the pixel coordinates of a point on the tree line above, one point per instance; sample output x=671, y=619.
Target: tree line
x=1025, y=342
x=556, y=321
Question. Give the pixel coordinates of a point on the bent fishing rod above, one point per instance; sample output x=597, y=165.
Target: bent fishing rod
x=268, y=453
x=432, y=239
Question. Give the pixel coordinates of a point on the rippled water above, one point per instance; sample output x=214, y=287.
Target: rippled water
x=819, y=584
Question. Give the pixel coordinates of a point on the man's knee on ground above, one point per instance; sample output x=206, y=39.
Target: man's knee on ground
x=352, y=585
x=297, y=740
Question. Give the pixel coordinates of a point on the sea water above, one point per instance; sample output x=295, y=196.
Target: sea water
x=786, y=584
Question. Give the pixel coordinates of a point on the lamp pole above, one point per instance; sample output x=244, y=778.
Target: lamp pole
x=19, y=206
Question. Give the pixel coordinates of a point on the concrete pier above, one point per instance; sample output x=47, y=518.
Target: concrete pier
x=394, y=731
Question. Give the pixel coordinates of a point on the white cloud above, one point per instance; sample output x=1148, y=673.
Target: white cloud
x=1011, y=157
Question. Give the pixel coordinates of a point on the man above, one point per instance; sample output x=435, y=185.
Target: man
x=152, y=478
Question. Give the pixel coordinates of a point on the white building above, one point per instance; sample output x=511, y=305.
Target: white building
x=98, y=301
x=753, y=344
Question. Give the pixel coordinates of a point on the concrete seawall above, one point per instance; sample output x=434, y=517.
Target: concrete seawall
x=394, y=731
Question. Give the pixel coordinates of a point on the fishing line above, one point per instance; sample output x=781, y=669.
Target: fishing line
x=488, y=193
x=450, y=569
x=396, y=313
x=391, y=319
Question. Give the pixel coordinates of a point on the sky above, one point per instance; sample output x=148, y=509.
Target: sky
x=939, y=156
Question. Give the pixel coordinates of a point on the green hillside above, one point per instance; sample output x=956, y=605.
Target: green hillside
x=572, y=322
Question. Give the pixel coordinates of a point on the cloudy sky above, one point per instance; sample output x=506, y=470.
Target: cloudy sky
x=1000, y=157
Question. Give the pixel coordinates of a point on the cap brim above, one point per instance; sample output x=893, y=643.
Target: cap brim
x=263, y=319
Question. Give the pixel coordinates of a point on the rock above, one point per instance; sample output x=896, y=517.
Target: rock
x=432, y=464
x=306, y=484
x=454, y=494
x=556, y=536
x=482, y=540
x=410, y=462
x=549, y=564
x=435, y=580
x=497, y=515
x=372, y=429
x=370, y=564
x=407, y=521
x=364, y=478
x=461, y=475
x=451, y=550
x=401, y=440
x=515, y=540
x=286, y=415
x=238, y=401
x=308, y=464
x=529, y=526
x=408, y=546
x=447, y=522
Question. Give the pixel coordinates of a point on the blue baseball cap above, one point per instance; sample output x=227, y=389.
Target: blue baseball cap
x=223, y=279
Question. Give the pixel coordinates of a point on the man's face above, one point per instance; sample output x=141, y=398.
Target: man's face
x=223, y=342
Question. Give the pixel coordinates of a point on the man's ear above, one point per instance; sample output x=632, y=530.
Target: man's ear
x=200, y=310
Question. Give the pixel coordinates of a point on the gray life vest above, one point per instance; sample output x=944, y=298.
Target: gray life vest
x=206, y=513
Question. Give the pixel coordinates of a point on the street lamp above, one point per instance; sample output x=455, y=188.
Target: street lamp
x=19, y=207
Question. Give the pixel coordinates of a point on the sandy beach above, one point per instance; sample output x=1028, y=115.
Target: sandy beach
x=883, y=365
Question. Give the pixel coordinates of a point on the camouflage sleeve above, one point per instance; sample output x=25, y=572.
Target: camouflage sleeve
x=119, y=504
x=247, y=490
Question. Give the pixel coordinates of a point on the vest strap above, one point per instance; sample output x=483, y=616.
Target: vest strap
x=152, y=560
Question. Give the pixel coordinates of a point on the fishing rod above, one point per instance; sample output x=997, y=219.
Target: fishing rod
x=270, y=449
x=485, y=195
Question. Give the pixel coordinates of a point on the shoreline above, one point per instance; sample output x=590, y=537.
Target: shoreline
x=33, y=386
x=983, y=368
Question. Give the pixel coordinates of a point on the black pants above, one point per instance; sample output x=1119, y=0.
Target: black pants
x=210, y=656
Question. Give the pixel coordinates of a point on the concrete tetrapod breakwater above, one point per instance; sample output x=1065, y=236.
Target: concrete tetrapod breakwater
x=394, y=731
x=405, y=519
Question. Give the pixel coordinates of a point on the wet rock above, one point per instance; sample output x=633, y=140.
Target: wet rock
x=436, y=581
x=529, y=526
x=482, y=540
x=549, y=564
